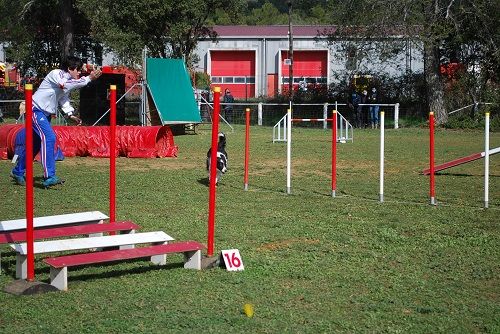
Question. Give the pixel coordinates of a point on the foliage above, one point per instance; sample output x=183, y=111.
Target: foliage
x=167, y=28
x=313, y=263
x=34, y=34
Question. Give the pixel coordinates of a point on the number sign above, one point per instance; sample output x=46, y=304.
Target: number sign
x=232, y=259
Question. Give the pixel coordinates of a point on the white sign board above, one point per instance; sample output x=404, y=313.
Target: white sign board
x=287, y=61
x=232, y=260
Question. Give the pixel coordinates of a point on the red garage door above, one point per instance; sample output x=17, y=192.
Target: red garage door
x=310, y=67
x=234, y=70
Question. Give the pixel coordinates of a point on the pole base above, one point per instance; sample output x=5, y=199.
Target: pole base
x=246, y=187
x=433, y=201
x=486, y=204
x=23, y=287
x=333, y=193
x=288, y=190
x=210, y=262
x=381, y=197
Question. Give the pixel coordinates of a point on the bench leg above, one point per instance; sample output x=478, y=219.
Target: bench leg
x=21, y=266
x=192, y=260
x=159, y=259
x=59, y=278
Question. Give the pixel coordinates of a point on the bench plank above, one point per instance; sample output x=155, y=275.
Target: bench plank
x=59, y=265
x=47, y=221
x=55, y=232
x=121, y=240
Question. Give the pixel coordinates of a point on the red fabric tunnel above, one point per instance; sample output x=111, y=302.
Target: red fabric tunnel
x=131, y=141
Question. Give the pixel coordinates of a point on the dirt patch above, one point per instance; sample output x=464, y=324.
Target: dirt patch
x=287, y=244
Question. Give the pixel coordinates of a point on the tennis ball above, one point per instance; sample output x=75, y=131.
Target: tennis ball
x=248, y=309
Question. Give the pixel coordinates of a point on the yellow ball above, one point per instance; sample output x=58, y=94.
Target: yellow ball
x=248, y=309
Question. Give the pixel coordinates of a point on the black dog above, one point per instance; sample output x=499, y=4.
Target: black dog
x=221, y=158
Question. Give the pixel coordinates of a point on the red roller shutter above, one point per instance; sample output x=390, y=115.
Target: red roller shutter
x=234, y=70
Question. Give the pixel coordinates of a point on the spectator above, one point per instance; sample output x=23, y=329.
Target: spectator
x=228, y=108
x=364, y=109
x=373, y=99
x=354, y=101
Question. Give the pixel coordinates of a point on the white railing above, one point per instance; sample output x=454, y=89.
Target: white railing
x=344, y=128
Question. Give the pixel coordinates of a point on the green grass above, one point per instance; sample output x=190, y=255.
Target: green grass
x=313, y=263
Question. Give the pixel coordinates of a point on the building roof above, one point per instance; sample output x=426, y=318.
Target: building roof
x=272, y=30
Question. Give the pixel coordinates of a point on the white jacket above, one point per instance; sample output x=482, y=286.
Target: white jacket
x=55, y=89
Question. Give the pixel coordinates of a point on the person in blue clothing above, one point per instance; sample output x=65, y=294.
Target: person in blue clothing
x=373, y=99
x=53, y=92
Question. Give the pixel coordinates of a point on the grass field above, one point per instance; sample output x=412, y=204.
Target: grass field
x=313, y=263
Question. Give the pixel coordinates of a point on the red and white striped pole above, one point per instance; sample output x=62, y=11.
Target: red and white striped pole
x=28, y=124
x=334, y=152
x=431, y=159
x=112, y=154
x=247, y=145
x=213, y=173
x=486, y=158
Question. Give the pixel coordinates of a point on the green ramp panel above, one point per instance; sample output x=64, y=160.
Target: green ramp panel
x=170, y=87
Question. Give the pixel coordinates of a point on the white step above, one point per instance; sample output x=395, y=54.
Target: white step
x=90, y=217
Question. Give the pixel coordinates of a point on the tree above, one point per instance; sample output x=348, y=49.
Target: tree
x=439, y=24
x=168, y=28
x=37, y=37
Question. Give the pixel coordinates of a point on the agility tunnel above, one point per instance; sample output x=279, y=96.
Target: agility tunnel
x=93, y=141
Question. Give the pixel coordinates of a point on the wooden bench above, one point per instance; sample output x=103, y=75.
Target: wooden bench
x=123, y=241
x=80, y=218
x=59, y=265
x=93, y=230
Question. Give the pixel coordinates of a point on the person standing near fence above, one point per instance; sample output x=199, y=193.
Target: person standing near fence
x=228, y=108
x=354, y=101
x=373, y=99
x=53, y=91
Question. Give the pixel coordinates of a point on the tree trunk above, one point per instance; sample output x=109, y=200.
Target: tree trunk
x=435, y=87
x=67, y=29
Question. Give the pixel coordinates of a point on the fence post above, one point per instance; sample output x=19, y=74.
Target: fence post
x=259, y=114
x=396, y=116
x=325, y=115
x=486, y=158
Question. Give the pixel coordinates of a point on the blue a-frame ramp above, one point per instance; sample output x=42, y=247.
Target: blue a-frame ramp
x=170, y=88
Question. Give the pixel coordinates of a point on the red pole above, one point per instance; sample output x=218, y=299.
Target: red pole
x=112, y=154
x=28, y=124
x=431, y=158
x=247, y=145
x=213, y=173
x=334, y=152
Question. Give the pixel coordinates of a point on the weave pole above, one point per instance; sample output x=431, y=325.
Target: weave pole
x=382, y=139
x=112, y=154
x=213, y=173
x=247, y=146
x=289, y=151
x=28, y=124
x=432, y=185
x=334, y=152
x=486, y=158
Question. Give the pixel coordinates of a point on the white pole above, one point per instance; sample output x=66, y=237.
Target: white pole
x=381, y=191
x=396, y=116
x=486, y=158
x=259, y=114
x=289, y=149
x=325, y=115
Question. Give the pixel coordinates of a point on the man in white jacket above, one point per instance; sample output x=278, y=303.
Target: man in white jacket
x=53, y=92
